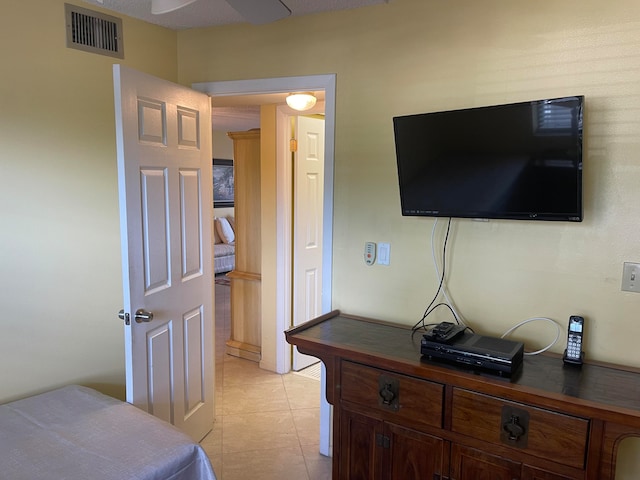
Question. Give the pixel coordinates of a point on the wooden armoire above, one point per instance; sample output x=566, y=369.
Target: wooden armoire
x=246, y=317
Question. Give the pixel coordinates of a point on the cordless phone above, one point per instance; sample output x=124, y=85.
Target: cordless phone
x=573, y=354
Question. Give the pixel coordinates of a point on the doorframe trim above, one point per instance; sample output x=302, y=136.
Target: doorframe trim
x=284, y=243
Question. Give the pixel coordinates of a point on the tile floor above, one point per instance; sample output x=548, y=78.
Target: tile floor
x=267, y=425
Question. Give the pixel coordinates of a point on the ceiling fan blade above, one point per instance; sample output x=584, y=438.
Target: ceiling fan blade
x=260, y=12
x=165, y=6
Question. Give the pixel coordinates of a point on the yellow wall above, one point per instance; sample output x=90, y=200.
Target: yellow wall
x=61, y=283
x=222, y=145
x=59, y=247
x=268, y=236
x=412, y=56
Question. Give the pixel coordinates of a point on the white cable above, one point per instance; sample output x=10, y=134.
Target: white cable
x=461, y=320
x=532, y=320
x=444, y=286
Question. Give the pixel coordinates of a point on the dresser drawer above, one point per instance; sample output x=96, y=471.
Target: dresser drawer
x=542, y=433
x=419, y=402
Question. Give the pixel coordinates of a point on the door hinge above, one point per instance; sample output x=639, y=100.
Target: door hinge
x=382, y=441
x=293, y=145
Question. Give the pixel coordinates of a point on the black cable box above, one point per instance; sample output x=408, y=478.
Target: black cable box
x=477, y=351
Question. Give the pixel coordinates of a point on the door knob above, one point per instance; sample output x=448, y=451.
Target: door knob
x=140, y=316
x=143, y=316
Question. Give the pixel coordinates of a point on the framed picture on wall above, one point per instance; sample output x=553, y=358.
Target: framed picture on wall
x=223, y=190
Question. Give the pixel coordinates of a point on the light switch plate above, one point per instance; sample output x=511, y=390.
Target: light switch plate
x=631, y=277
x=384, y=251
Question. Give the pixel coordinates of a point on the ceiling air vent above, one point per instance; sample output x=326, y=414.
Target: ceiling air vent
x=93, y=32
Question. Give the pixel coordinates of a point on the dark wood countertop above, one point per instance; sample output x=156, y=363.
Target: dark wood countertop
x=608, y=392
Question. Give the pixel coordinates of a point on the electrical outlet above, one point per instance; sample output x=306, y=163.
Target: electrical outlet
x=631, y=277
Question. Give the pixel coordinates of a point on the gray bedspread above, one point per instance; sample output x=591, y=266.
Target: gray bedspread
x=76, y=433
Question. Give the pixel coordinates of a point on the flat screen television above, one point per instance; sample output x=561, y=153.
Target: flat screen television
x=517, y=161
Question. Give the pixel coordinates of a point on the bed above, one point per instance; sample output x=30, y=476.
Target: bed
x=76, y=433
x=224, y=247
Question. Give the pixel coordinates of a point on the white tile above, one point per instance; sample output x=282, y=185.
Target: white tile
x=267, y=425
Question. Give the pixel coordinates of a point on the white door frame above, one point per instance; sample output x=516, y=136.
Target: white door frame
x=283, y=224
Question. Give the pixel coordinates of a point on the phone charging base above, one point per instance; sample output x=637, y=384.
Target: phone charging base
x=573, y=361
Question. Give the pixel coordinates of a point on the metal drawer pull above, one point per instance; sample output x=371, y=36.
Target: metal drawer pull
x=513, y=428
x=387, y=394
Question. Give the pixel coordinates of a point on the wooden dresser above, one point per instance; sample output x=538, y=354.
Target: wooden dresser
x=399, y=416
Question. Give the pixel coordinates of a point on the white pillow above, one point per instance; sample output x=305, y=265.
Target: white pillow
x=225, y=231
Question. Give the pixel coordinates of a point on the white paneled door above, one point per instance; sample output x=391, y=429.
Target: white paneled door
x=163, y=136
x=307, y=227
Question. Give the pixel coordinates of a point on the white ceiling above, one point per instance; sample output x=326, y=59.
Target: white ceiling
x=235, y=119
x=234, y=113
x=208, y=13
x=238, y=113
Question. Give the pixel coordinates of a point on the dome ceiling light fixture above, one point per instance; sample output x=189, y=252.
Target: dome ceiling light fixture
x=301, y=101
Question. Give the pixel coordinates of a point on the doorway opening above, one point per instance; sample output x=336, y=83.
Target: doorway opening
x=275, y=326
x=276, y=316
